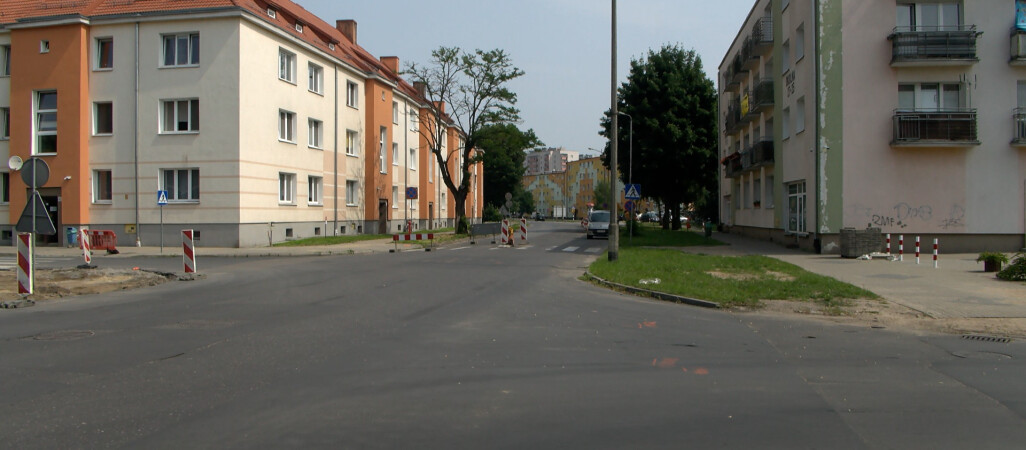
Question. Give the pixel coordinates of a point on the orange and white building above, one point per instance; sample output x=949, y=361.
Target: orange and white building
x=236, y=108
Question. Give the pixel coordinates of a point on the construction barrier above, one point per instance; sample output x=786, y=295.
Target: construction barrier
x=901, y=247
x=523, y=230
x=83, y=239
x=103, y=240
x=481, y=229
x=24, y=263
x=935, y=244
x=917, y=249
x=188, y=251
x=505, y=232
x=396, y=238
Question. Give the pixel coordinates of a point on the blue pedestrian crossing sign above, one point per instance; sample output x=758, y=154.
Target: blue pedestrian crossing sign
x=632, y=192
x=161, y=198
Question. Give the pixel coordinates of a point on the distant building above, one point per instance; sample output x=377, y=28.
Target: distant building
x=549, y=160
x=561, y=194
x=909, y=117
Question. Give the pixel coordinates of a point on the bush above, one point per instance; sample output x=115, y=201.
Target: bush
x=631, y=228
x=1016, y=271
x=992, y=257
x=491, y=214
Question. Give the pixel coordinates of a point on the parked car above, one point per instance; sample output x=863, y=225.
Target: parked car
x=650, y=216
x=598, y=224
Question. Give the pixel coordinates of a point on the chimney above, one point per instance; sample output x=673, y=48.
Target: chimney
x=421, y=88
x=392, y=62
x=347, y=28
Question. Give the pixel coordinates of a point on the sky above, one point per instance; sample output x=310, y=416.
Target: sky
x=563, y=46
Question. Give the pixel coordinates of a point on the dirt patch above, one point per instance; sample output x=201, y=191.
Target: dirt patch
x=882, y=314
x=751, y=276
x=57, y=283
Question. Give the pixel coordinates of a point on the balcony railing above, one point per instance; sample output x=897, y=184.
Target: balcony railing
x=944, y=45
x=760, y=98
x=947, y=127
x=733, y=120
x=759, y=43
x=1017, y=47
x=758, y=155
x=732, y=165
x=1019, y=125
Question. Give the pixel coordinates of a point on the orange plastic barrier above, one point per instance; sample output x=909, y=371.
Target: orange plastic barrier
x=103, y=240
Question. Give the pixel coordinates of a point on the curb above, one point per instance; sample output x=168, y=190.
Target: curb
x=654, y=294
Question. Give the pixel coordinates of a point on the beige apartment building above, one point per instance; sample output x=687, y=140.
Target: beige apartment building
x=262, y=123
x=902, y=116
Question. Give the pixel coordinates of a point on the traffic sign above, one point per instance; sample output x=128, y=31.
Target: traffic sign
x=35, y=172
x=628, y=206
x=35, y=218
x=633, y=192
x=161, y=198
x=411, y=193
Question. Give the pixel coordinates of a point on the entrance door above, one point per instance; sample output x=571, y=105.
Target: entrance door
x=383, y=216
x=52, y=199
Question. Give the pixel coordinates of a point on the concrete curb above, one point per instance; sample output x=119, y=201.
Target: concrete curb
x=654, y=294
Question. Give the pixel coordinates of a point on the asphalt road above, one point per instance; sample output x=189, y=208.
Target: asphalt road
x=478, y=347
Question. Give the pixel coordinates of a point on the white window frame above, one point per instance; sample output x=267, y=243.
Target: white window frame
x=299, y=27
x=286, y=188
x=315, y=78
x=38, y=133
x=5, y=123
x=382, y=156
x=352, y=95
x=444, y=201
x=797, y=208
x=353, y=143
x=286, y=66
x=314, y=190
x=799, y=43
x=395, y=153
x=192, y=178
x=99, y=59
x=395, y=113
x=286, y=126
x=413, y=158
x=352, y=193
x=96, y=119
x=799, y=116
x=315, y=133
x=941, y=88
x=192, y=128
x=414, y=121
x=395, y=197
x=5, y=60
x=785, y=56
x=915, y=16
x=786, y=125
x=768, y=193
x=98, y=180
x=192, y=49
x=272, y=13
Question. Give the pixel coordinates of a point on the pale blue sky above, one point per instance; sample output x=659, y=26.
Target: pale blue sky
x=562, y=45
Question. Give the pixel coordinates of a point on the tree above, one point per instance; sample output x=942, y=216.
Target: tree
x=503, y=146
x=673, y=105
x=473, y=86
x=601, y=194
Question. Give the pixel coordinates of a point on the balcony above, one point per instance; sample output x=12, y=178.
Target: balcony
x=759, y=43
x=935, y=128
x=733, y=120
x=1019, y=125
x=760, y=98
x=758, y=155
x=1018, y=47
x=732, y=165
x=934, y=46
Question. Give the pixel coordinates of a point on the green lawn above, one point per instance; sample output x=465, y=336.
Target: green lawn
x=332, y=240
x=651, y=235
x=727, y=280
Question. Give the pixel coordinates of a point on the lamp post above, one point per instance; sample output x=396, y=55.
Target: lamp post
x=614, y=226
x=630, y=173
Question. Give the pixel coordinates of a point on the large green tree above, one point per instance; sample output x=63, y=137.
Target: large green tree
x=468, y=91
x=673, y=106
x=503, y=145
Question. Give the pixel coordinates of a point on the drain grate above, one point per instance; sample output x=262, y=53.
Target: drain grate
x=982, y=338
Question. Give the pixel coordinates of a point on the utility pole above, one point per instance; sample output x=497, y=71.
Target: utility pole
x=614, y=225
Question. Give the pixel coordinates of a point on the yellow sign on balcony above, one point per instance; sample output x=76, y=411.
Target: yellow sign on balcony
x=744, y=105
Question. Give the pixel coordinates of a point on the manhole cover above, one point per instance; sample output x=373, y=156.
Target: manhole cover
x=68, y=335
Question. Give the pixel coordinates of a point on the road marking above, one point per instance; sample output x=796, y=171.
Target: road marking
x=525, y=247
x=570, y=249
x=12, y=262
x=458, y=248
x=593, y=250
x=551, y=248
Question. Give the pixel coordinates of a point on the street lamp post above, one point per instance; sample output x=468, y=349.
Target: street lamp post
x=614, y=226
x=630, y=173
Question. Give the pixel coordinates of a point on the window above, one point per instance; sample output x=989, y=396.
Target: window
x=5, y=123
x=316, y=133
x=287, y=188
x=5, y=60
x=934, y=16
x=181, y=50
x=1020, y=94
x=105, y=53
x=299, y=27
x=443, y=201
x=102, y=186
x=286, y=66
x=930, y=96
x=350, y=192
x=768, y=200
x=413, y=159
x=46, y=122
x=382, y=157
x=286, y=126
x=395, y=197
x=784, y=4
x=395, y=153
x=103, y=118
x=785, y=57
x=272, y=13
x=352, y=143
x=316, y=78
x=352, y=95
x=414, y=120
x=796, y=207
x=179, y=116
x=5, y=187
x=315, y=189
x=799, y=116
x=431, y=167
x=395, y=113
x=44, y=46
x=787, y=123
x=799, y=43
x=182, y=185
x=757, y=193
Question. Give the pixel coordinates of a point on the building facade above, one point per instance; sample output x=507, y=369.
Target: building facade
x=901, y=116
x=262, y=122
x=571, y=193
x=549, y=160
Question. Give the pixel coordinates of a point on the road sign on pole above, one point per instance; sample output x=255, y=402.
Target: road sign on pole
x=632, y=192
x=161, y=198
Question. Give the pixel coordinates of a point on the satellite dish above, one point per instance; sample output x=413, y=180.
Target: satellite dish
x=15, y=163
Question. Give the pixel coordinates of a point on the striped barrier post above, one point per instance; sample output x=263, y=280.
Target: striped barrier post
x=888, y=243
x=505, y=232
x=523, y=230
x=901, y=247
x=935, y=242
x=25, y=263
x=188, y=251
x=917, y=249
x=83, y=239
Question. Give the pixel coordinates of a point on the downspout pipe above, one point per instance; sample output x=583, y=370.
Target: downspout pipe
x=135, y=146
x=334, y=231
x=817, y=243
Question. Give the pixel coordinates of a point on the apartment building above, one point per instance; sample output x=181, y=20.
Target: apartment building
x=571, y=190
x=236, y=108
x=901, y=116
x=549, y=160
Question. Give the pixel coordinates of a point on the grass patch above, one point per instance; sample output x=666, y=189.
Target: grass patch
x=332, y=240
x=727, y=280
x=654, y=236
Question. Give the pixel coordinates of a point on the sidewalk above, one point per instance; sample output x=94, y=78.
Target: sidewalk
x=360, y=247
x=958, y=288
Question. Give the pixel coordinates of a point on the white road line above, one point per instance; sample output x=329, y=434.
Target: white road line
x=570, y=249
x=551, y=248
x=593, y=250
x=458, y=248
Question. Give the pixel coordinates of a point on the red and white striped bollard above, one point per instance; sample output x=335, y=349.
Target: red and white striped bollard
x=25, y=263
x=83, y=240
x=523, y=229
x=888, y=243
x=901, y=247
x=188, y=251
x=935, y=242
x=917, y=249
x=505, y=232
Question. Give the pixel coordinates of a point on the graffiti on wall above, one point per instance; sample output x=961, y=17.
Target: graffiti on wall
x=904, y=214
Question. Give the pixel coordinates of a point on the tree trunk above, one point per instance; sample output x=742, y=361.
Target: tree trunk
x=462, y=224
